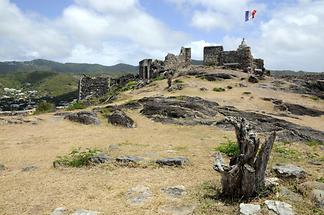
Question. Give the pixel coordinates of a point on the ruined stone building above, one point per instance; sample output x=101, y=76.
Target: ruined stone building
x=241, y=58
x=98, y=86
x=92, y=86
x=149, y=69
x=213, y=56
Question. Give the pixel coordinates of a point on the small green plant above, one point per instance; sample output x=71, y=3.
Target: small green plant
x=321, y=179
x=76, y=106
x=314, y=143
x=230, y=148
x=158, y=78
x=45, y=107
x=178, y=81
x=315, y=98
x=129, y=86
x=218, y=89
x=77, y=158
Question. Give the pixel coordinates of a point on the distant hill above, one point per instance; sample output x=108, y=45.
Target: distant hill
x=197, y=62
x=291, y=73
x=52, y=66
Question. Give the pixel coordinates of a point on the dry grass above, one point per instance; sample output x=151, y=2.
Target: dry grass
x=103, y=188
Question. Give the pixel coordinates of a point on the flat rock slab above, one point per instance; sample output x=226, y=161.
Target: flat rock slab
x=85, y=212
x=84, y=117
x=249, y=209
x=285, y=192
x=279, y=208
x=29, y=168
x=176, y=161
x=175, y=191
x=138, y=195
x=58, y=211
x=318, y=197
x=129, y=159
x=289, y=171
x=314, y=190
x=119, y=118
x=100, y=158
x=177, y=210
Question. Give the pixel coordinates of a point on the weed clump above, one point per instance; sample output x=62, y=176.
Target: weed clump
x=76, y=106
x=218, y=89
x=77, y=158
x=230, y=148
x=45, y=107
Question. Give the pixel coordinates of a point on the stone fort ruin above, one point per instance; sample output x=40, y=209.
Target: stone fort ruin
x=213, y=56
x=150, y=69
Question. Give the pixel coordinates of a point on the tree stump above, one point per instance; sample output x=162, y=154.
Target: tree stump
x=244, y=177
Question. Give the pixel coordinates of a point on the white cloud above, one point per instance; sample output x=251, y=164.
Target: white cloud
x=105, y=32
x=293, y=37
x=217, y=14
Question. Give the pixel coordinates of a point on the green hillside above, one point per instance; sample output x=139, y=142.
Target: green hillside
x=46, y=83
x=51, y=66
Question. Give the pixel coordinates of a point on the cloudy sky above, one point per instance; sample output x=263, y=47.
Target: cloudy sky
x=288, y=34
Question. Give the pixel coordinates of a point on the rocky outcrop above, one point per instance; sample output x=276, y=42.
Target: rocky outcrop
x=314, y=190
x=279, y=208
x=119, y=118
x=289, y=171
x=84, y=117
x=185, y=110
x=216, y=76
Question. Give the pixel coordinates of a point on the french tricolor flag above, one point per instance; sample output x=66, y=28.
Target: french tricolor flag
x=250, y=15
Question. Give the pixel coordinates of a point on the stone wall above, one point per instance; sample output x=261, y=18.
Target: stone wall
x=245, y=57
x=212, y=55
x=229, y=57
x=149, y=69
x=173, y=62
x=259, y=63
x=93, y=86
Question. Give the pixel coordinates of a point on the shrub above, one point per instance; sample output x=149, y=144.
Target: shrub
x=230, y=148
x=76, y=106
x=76, y=158
x=158, y=78
x=218, y=89
x=45, y=107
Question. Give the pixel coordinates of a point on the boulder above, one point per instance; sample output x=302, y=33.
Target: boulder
x=279, y=208
x=318, y=197
x=285, y=192
x=249, y=209
x=175, y=191
x=84, y=117
x=138, y=195
x=289, y=171
x=129, y=159
x=253, y=79
x=177, y=161
x=119, y=118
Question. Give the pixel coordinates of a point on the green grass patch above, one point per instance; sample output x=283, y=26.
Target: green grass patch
x=45, y=107
x=230, y=148
x=314, y=143
x=76, y=106
x=159, y=78
x=283, y=150
x=218, y=89
x=77, y=158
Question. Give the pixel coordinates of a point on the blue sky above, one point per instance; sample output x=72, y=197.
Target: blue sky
x=287, y=34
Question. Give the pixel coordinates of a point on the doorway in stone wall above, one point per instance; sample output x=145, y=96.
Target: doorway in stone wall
x=146, y=72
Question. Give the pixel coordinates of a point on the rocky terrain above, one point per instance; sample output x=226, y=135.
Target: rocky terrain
x=152, y=150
